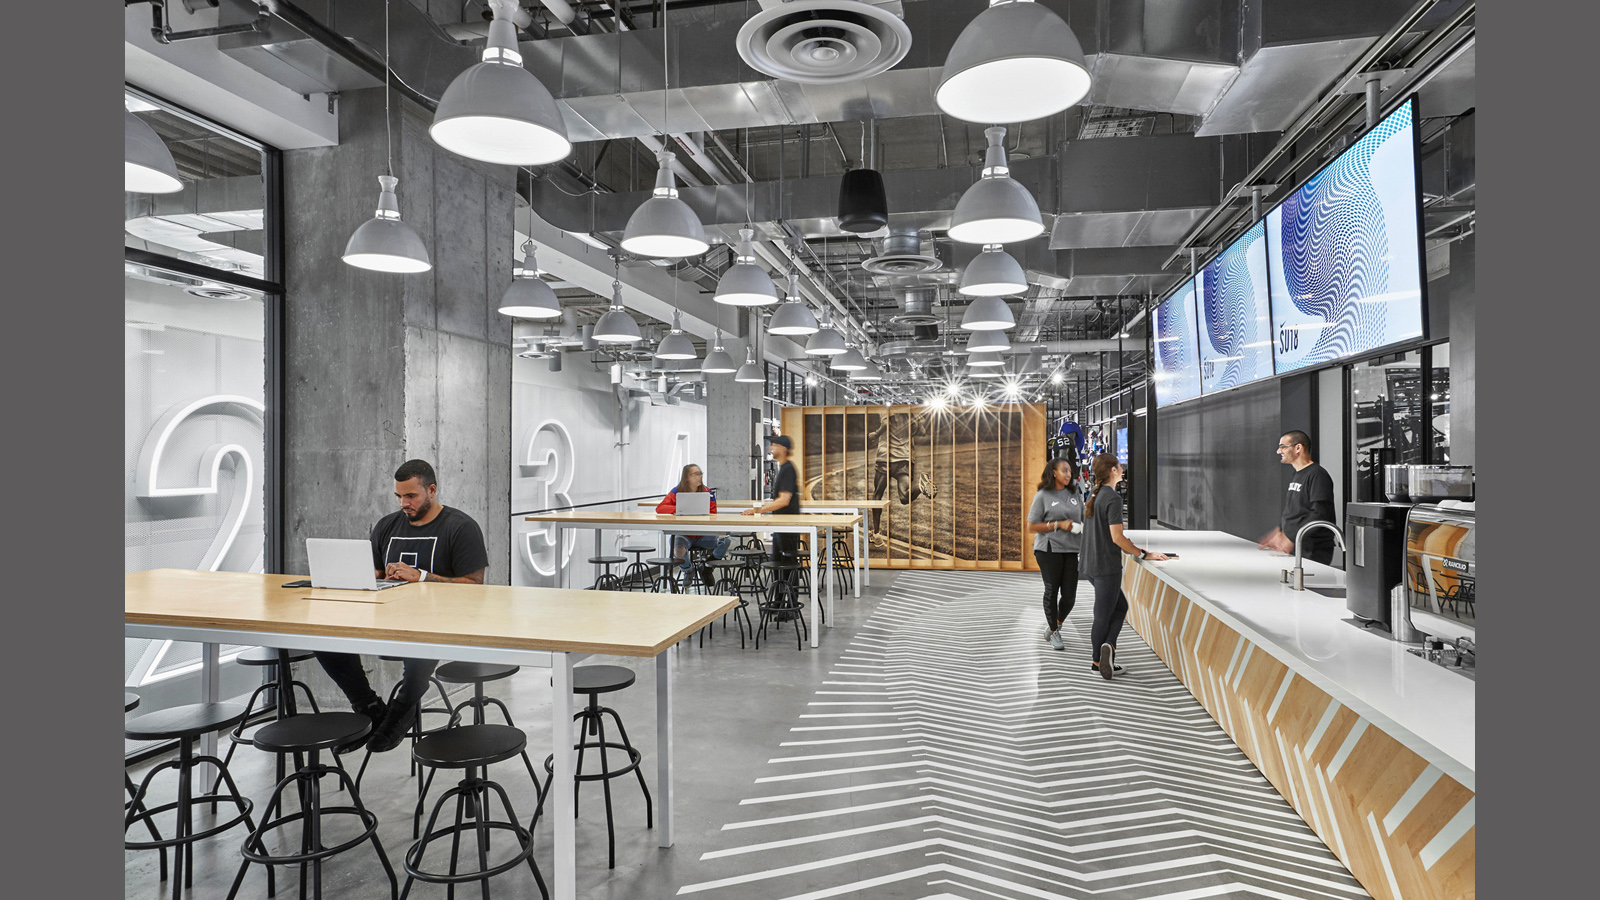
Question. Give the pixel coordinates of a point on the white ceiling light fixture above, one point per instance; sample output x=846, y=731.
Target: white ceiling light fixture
x=529, y=297
x=497, y=111
x=750, y=373
x=718, y=361
x=988, y=342
x=870, y=373
x=745, y=283
x=997, y=209
x=993, y=273
x=826, y=341
x=791, y=317
x=664, y=226
x=850, y=360
x=616, y=326
x=985, y=360
x=1017, y=61
x=384, y=243
x=676, y=345
x=988, y=314
x=147, y=165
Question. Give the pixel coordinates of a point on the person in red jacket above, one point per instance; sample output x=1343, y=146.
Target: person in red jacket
x=691, y=481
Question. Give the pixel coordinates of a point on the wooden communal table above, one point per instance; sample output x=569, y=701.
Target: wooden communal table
x=524, y=626
x=721, y=523
x=863, y=558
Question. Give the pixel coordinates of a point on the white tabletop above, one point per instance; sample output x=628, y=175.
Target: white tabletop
x=1428, y=709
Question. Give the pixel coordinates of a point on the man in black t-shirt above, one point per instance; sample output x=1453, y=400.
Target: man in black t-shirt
x=1309, y=499
x=785, y=499
x=422, y=541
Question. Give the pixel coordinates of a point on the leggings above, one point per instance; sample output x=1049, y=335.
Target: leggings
x=1060, y=571
x=346, y=671
x=1110, y=608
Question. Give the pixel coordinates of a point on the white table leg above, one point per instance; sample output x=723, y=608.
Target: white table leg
x=210, y=689
x=664, y=748
x=855, y=532
x=829, y=575
x=564, y=886
x=816, y=589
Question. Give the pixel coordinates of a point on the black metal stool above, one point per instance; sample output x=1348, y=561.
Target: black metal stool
x=473, y=748
x=130, y=702
x=781, y=603
x=184, y=724
x=311, y=734
x=842, y=561
x=726, y=584
x=594, y=681
x=661, y=580
x=267, y=658
x=607, y=581
x=477, y=675
x=636, y=569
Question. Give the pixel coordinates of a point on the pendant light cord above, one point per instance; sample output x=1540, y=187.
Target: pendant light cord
x=388, y=126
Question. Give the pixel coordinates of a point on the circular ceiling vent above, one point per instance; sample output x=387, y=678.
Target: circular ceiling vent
x=902, y=264
x=213, y=292
x=823, y=41
x=916, y=310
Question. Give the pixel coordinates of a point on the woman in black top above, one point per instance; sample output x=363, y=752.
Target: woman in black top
x=1100, y=561
x=1056, y=520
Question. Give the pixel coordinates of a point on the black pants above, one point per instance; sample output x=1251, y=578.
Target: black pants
x=786, y=551
x=1110, y=609
x=1060, y=571
x=345, y=670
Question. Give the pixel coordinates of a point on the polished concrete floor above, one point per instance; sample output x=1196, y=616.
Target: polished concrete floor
x=933, y=747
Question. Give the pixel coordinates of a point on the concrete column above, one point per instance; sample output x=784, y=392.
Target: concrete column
x=729, y=408
x=381, y=368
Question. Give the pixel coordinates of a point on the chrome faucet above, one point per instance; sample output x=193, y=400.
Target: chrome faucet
x=1295, y=578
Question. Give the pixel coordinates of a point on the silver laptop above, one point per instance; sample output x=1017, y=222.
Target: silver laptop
x=695, y=504
x=344, y=565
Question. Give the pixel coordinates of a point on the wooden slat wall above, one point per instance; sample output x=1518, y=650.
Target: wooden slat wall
x=1348, y=802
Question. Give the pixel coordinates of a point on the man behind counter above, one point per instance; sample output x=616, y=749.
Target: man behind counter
x=1308, y=499
x=421, y=541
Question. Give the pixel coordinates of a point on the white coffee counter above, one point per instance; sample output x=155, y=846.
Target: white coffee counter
x=1422, y=705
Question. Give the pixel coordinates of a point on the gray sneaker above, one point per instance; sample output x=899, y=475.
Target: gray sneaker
x=1108, y=662
x=1055, y=641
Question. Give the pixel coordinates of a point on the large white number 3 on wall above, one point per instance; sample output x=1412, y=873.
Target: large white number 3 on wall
x=549, y=461
x=148, y=475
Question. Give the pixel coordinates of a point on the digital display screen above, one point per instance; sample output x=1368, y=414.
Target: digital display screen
x=1343, y=254
x=1122, y=446
x=1236, y=315
x=1177, y=351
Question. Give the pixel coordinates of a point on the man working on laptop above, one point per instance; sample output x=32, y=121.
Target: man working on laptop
x=422, y=541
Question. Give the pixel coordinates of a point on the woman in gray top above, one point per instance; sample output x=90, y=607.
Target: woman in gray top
x=1056, y=520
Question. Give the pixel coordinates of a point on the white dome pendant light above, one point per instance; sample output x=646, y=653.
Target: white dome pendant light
x=850, y=360
x=750, y=373
x=718, y=361
x=988, y=314
x=791, y=317
x=497, y=111
x=384, y=243
x=616, y=326
x=676, y=345
x=1016, y=62
x=993, y=273
x=827, y=341
x=529, y=297
x=988, y=342
x=665, y=227
x=997, y=209
x=147, y=166
x=745, y=283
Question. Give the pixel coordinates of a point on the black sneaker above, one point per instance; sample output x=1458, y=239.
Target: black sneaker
x=374, y=710
x=388, y=734
x=1108, y=663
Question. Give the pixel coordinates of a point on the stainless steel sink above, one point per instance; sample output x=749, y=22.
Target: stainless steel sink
x=1336, y=591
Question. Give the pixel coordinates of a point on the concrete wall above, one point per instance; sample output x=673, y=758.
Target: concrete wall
x=381, y=368
x=729, y=436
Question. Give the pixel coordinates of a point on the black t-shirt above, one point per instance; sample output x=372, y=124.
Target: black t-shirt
x=787, y=480
x=1100, y=555
x=1310, y=499
x=450, y=546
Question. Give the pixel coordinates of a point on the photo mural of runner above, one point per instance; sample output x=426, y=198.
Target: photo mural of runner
x=958, y=479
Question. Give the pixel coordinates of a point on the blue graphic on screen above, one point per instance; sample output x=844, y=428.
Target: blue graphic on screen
x=1122, y=446
x=1236, y=337
x=1177, y=353
x=1342, y=253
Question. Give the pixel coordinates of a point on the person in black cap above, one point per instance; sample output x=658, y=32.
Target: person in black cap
x=785, y=498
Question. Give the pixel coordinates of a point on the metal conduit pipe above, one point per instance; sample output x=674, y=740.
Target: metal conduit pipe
x=558, y=8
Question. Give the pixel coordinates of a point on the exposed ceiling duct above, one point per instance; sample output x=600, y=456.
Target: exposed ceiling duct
x=916, y=308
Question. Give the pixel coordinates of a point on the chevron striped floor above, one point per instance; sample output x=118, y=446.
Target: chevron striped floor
x=950, y=753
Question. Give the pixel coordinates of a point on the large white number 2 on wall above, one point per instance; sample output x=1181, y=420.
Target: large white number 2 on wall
x=147, y=476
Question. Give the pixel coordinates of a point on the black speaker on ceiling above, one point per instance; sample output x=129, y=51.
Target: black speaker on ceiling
x=863, y=205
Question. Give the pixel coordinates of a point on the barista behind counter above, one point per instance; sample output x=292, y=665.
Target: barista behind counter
x=1308, y=499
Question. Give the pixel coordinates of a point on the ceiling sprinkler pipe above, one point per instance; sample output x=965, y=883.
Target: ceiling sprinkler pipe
x=558, y=8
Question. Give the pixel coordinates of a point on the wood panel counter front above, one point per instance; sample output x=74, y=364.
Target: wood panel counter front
x=1372, y=746
x=613, y=623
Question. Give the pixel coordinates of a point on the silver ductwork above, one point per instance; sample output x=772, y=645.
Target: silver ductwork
x=920, y=348
x=916, y=308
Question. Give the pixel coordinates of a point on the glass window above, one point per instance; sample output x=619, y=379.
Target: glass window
x=218, y=219
x=1439, y=403
x=1386, y=425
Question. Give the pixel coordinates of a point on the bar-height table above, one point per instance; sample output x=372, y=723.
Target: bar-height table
x=863, y=561
x=720, y=523
x=541, y=627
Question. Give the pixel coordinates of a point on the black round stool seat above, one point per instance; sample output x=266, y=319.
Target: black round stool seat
x=661, y=561
x=130, y=701
x=316, y=731
x=747, y=552
x=268, y=656
x=191, y=720
x=473, y=672
x=604, y=560
x=470, y=745
x=600, y=679
x=777, y=566
x=637, y=549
